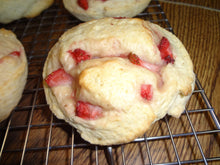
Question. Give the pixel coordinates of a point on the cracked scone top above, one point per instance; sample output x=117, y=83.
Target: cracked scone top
x=112, y=78
x=86, y=10
x=13, y=72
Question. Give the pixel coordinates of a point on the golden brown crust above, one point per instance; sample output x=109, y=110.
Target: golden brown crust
x=11, y=10
x=13, y=72
x=113, y=82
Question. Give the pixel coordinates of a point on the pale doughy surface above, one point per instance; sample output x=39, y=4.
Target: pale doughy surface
x=110, y=8
x=11, y=10
x=113, y=82
x=13, y=72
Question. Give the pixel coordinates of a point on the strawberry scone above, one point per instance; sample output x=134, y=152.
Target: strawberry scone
x=13, y=72
x=112, y=78
x=11, y=10
x=86, y=10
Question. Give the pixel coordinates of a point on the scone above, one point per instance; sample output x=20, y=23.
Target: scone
x=11, y=10
x=112, y=78
x=86, y=10
x=13, y=72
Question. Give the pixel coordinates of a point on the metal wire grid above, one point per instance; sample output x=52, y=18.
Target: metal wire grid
x=33, y=135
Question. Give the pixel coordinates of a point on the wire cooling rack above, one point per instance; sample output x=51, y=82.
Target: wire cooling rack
x=32, y=135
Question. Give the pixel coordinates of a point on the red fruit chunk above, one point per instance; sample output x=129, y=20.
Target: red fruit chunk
x=165, y=51
x=134, y=59
x=137, y=61
x=79, y=55
x=83, y=4
x=119, y=17
x=15, y=53
x=88, y=111
x=147, y=91
x=58, y=77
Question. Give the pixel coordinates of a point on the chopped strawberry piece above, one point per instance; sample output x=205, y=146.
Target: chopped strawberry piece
x=58, y=77
x=88, y=111
x=119, y=17
x=137, y=61
x=165, y=51
x=147, y=91
x=134, y=59
x=79, y=55
x=83, y=4
x=15, y=53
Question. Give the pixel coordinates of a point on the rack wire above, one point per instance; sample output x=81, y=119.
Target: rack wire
x=33, y=135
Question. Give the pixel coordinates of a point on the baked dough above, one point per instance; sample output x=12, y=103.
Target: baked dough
x=105, y=8
x=11, y=10
x=104, y=79
x=13, y=72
